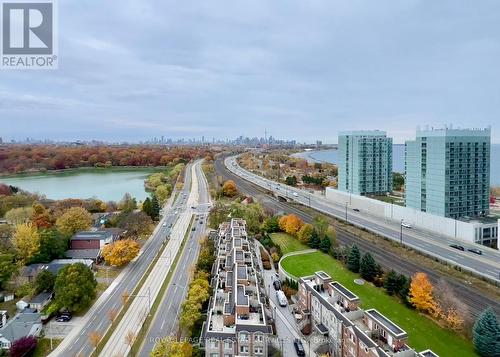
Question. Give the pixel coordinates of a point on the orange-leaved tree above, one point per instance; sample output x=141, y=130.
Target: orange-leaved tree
x=421, y=293
x=290, y=224
x=120, y=252
x=229, y=188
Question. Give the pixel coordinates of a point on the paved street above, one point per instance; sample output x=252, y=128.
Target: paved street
x=119, y=343
x=487, y=265
x=166, y=318
x=77, y=342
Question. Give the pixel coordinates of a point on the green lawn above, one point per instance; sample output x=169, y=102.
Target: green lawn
x=43, y=347
x=287, y=243
x=422, y=332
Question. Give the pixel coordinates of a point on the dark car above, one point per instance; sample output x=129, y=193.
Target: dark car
x=64, y=317
x=277, y=285
x=355, y=209
x=299, y=348
x=456, y=246
x=475, y=251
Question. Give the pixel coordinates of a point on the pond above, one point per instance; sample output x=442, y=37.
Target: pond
x=105, y=184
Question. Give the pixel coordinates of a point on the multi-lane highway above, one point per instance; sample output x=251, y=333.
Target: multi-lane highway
x=475, y=300
x=77, y=342
x=438, y=246
x=165, y=321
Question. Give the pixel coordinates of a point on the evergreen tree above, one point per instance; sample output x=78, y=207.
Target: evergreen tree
x=314, y=242
x=486, y=334
x=155, y=209
x=291, y=181
x=147, y=207
x=52, y=246
x=368, y=267
x=353, y=259
x=391, y=283
x=325, y=245
x=404, y=288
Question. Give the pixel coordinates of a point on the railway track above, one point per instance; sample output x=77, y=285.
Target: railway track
x=475, y=301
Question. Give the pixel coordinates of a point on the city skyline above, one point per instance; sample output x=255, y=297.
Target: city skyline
x=307, y=72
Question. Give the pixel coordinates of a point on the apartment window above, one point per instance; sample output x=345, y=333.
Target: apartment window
x=258, y=338
x=228, y=355
x=243, y=337
x=214, y=355
x=214, y=344
x=258, y=350
x=228, y=345
x=244, y=349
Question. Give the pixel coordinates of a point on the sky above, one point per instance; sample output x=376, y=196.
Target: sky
x=130, y=70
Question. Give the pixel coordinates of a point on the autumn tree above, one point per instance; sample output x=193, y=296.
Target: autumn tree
x=305, y=232
x=41, y=216
x=19, y=215
x=75, y=287
x=229, y=188
x=120, y=252
x=170, y=347
x=137, y=224
x=486, y=334
x=290, y=224
x=26, y=240
x=127, y=203
x=453, y=310
x=94, y=338
x=130, y=338
x=73, y=220
x=421, y=293
x=163, y=192
x=23, y=346
x=112, y=314
x=353, y=259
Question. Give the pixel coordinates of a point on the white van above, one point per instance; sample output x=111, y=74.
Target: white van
x=282, y=300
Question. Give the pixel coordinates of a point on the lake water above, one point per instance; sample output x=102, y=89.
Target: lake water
x=107, y=185
x=398, y=160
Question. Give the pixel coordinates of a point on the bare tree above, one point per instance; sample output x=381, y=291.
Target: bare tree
x=112, y=313
x=94, y=338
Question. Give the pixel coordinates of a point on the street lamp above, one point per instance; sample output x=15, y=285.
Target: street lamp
x=401, y=233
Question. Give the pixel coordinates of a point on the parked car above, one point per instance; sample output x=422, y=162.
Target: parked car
x=475, y=251
x=299, y=348
x=456, y=246
x=406, y=225
x=282, y=300
x=355, y=209
x=277, y=285
x=295, y=194
x=193, y=229
x=164, y=224
x=64, y=317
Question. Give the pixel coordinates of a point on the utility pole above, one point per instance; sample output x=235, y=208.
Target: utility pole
x=401, y=233
x=346, y=211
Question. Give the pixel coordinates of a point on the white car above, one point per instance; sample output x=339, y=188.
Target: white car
x=295, y=194
x=164, y=224
x=406, y=225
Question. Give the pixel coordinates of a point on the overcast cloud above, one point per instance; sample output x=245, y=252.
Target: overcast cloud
x=134, y=69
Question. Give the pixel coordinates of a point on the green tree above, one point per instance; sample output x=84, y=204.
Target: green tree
x=7, y=268
x=404, y=288
x=155, y=208
x=127, y=203
x=291, y=180
x=73, y=220
x=75, y=287
x=391, y=283
x=315, y=241
x=163, y=192
x=368, y=267
x=271, y=225
x=320, y=224
x=353, y=259
x=325, y=245
x=19, y=215
x=147, y=207
x=52, y=246
x=305, y=233
x=486, y=334
x=44, y=281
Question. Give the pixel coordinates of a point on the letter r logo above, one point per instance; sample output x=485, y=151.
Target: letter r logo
x=27, y=28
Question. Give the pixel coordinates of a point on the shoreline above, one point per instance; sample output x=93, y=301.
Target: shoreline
x=80, y=170
x=307, y=155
